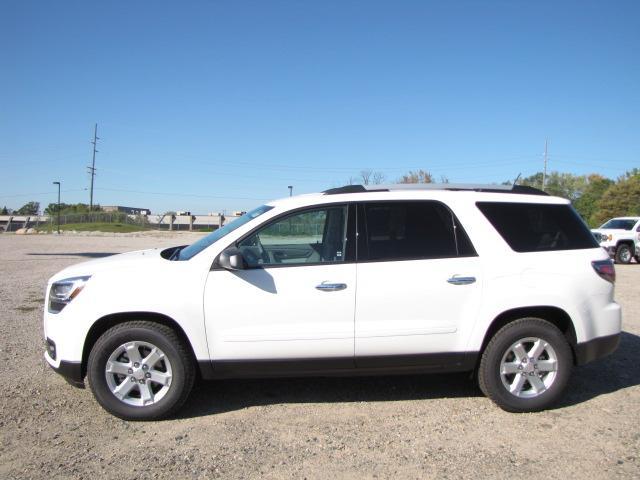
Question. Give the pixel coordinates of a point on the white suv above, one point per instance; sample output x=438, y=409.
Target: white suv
x=507, y=283
x=621, y=238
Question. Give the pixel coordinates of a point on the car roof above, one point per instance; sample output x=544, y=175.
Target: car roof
x=442, y=192
x=514, y=189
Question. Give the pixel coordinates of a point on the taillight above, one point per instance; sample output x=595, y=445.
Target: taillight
x=605, y=269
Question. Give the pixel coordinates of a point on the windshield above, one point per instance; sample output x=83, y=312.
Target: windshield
x=195, y=248
x=620, y=224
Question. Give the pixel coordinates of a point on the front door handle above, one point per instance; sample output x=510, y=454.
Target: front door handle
x=331, y=287
x=457, y=280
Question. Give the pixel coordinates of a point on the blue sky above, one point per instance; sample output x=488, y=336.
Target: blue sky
x=206, y=106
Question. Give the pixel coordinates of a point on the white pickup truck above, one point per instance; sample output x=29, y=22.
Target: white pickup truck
x=621, y=238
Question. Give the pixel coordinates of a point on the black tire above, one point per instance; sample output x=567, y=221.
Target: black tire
x=490, y=378
x=623, y=253
x=161, y=336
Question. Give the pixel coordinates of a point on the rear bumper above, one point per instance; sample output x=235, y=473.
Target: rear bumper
x=70, y=371
x=596, y=348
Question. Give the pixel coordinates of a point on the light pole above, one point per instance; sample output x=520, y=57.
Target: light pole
x=290, y=187
x=58, y=183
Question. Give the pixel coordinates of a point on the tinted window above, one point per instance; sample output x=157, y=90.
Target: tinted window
x=413, y=230
x=312, y=236
x=619, y=224
x=528, y=227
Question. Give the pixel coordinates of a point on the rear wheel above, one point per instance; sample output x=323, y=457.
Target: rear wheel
x=623, y=253
x=526, y=366
x=140, y=371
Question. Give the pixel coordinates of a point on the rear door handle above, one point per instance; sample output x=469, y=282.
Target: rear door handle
x=331, y=287
x=457, y=280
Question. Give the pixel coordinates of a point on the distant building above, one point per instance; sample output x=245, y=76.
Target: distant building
x=129, y=210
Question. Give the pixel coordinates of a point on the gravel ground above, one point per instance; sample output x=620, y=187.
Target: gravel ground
x=409, y=427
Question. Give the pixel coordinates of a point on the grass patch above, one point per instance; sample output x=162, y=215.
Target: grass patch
x=98, y=227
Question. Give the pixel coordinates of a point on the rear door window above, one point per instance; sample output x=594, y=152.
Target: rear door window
x=412, y=230
x=531, y=227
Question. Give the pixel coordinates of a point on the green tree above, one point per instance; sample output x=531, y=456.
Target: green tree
x=69, y=209
x=534, y=180
x=4, y=211
x=29, y=208
x=52, y=208
x=565, y=185
x=587, y=203
x=419, y=176
x=620, y=199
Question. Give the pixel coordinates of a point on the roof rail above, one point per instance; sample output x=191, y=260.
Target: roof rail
x=518, y=189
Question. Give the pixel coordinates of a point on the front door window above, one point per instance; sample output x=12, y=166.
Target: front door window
x=311, y=237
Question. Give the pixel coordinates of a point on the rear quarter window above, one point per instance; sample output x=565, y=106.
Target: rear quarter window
x=534, y=227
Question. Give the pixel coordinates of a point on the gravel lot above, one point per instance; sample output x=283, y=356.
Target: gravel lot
x=410, y=427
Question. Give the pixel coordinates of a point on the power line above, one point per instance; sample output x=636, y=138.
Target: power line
x=274, y=166
x=589, y=164
x=173, y=194
x=42, y=193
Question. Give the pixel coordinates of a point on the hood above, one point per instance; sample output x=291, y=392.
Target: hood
x=111, y=262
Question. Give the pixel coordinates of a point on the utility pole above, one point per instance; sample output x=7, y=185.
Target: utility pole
x=58, y=183
x=290, y=187
x=544, y=172
x=92, y=168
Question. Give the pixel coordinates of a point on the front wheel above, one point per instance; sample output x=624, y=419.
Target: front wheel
x=526, y=366
x=140, y=371
x=623, y=253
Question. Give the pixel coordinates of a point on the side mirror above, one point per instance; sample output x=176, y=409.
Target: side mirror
x=231, y=259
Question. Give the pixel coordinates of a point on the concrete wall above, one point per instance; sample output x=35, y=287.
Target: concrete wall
x=11, y=223
x=180, y=222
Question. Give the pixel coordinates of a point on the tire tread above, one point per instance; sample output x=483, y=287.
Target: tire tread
x=484, y=370
x=170, y=335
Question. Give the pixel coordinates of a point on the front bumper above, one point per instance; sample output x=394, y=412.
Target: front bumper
x=596, y=348
x=70, y=371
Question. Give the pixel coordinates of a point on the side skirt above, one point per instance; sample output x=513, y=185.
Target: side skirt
x=342, y=366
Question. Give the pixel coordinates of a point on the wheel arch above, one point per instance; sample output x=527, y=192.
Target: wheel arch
x=554, y=315
x=626, y=241
x=103, y=324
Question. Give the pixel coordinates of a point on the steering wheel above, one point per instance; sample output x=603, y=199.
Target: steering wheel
x=255, y=251
x=251, y=258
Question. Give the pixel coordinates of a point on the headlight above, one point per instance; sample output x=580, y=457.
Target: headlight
x=63, y=291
